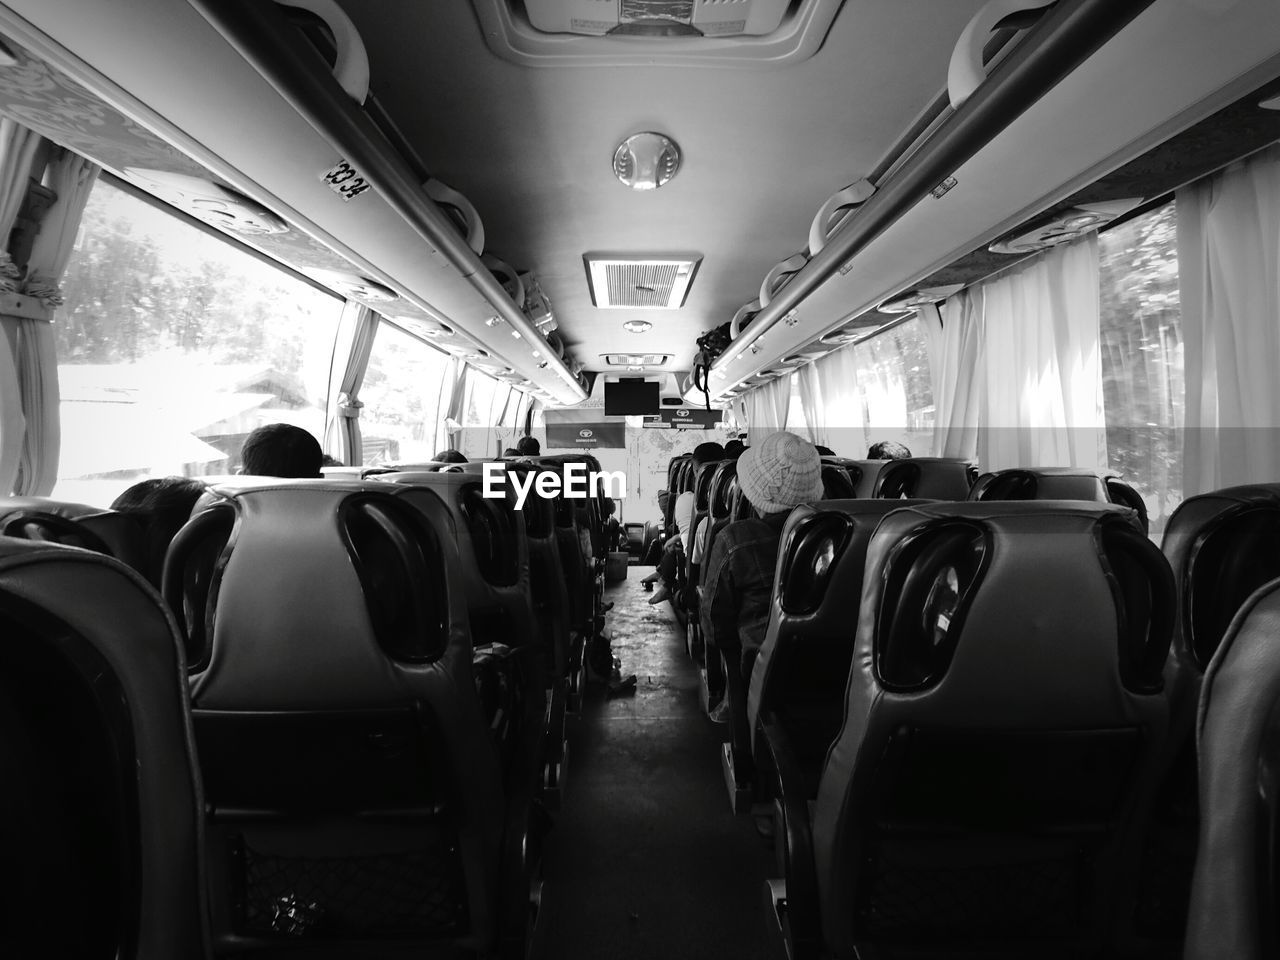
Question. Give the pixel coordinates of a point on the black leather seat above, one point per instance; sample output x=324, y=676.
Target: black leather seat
x=1235, y=897
x=365, y=796
x=802, y=669
x=1058, y=483
x=100, y=805
x=930, y=478
x=999, y=739
x=723, y=500
x=1222, y=547
x=75, y=525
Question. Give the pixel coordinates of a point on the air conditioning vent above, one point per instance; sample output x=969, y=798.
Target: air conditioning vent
x=712, y=18
x=636, y=359
x=651, y=283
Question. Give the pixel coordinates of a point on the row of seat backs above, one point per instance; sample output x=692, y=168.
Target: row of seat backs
x=76, y=524
x=1005, y=683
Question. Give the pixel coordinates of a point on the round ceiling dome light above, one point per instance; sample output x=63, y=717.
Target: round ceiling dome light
x=637, y=326
x=646, y=161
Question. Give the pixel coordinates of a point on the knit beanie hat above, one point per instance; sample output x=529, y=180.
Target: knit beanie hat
x=780, y=472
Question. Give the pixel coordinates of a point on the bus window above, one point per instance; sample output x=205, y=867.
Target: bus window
x=173, y=346
x=1142, y=360
x=896, y=396
x=405, y=394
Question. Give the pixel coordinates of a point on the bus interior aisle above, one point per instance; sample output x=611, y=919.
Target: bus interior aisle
x=646, y=861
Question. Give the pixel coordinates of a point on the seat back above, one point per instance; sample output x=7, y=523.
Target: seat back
x=1003, y=705
x=802, y=669
x=1236, y=887
x=493, y=548
x=75, y=525
x=1059, y=483
x=354, y=784
x=101, y=799
x=933, y=478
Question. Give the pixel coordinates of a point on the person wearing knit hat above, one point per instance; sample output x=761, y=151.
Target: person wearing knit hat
x=781, y=472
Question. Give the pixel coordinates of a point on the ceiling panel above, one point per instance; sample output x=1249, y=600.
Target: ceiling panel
x=762, y=149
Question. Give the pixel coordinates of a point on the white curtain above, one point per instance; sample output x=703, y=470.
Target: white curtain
x=18, y=147
x=953, y=335
x=844, y=417
x=352, y=345
x=815, y=418
x=1040, y=402
x=766, y=409
x=71, y=177
x=1229, y=279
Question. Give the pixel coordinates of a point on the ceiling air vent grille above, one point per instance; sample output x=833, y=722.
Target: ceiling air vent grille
x=640, y=283
x=636, y=359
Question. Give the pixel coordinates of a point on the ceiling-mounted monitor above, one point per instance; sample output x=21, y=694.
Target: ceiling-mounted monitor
x=631, y=397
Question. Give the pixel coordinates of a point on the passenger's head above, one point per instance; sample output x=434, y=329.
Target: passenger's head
x=329, y=461
x=780, y=472
x=162, y=505
x=733, y=449
x=511, y=452
x=824, y=451
x=888, y=450
x=449, y=456
x=708, y=452
x=281, y=450
x=529, y=447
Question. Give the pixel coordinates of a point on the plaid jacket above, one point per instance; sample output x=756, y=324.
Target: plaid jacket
x=739, y=582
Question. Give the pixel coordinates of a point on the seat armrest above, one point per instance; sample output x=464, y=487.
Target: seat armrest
x=795, y=843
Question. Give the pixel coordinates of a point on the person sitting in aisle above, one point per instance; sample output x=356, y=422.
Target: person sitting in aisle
x=162, y=505
x=449, y=455
x=529, y=447
x=888, y=450
x=281, y=450
x=780, y=473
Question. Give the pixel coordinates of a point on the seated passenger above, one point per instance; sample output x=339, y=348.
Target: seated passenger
x=529, y=447
x=780, y=473
x=888, y=450
x=449, y=455
x=162, y=505
x=733, y=449
x=510, y=452
x=679, y=546
x=328, y=460
x=826, y=451
x=281, y=450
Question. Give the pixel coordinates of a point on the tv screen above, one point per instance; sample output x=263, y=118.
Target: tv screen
x=630, y=397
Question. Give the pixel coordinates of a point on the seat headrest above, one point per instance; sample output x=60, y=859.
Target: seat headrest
x=1222, y=547
x=1041, y=483
x=814, y=543
x=313, y=590
x=935, y=478
x=1029, y=577
x=75, y=525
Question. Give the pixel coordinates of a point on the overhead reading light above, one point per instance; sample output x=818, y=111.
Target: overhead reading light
x=646, y=161
x=208, y=201
x=357, y=287
x=424, y=327
x=637, y=326
x=908, y=302
x=652, y=283
x=1062, y=226
x=840, y=337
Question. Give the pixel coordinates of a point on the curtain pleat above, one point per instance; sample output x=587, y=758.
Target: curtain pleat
x=811, y=403
x=1039, y=367
x=13, y=425
x=952, y=335
x=1229, y=280
x=352, y=346
x=843, y=415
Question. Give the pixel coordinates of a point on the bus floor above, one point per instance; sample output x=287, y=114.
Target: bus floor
x=646, y=859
